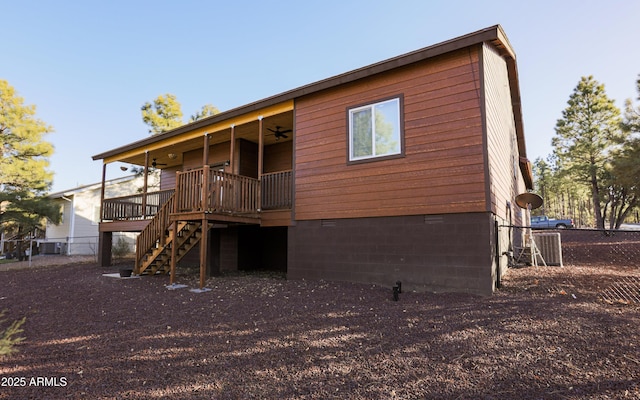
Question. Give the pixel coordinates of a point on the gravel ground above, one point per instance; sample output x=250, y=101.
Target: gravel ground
x=547, y=334
x=46, y=261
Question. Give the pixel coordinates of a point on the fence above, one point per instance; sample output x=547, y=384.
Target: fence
x=594, y=247
x=78, y=245
x=579, y=247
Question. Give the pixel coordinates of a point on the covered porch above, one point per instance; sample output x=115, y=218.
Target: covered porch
x=205, y=190
x=217, y=172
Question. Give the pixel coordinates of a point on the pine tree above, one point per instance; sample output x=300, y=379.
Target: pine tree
x=206, y=111
x=164, y=114
x=632, y=115
x=624, y=168
x=586, y=133
x=623, y=182
x=24, y=177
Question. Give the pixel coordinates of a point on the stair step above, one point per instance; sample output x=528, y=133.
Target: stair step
x=157, y=259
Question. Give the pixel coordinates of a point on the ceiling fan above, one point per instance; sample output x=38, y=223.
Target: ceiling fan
x=155, y=164
x=280, y=134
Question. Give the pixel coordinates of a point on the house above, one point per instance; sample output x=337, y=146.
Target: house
x=77, y=233
x=406, y=170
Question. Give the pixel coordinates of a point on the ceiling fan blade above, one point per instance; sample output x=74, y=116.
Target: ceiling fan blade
x=154, y=163
x=278, y=132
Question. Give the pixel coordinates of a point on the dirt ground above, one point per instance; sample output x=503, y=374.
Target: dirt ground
x=547, y=334
x=46, y=261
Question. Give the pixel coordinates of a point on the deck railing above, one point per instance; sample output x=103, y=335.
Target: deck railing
x=135, y=206
x=154, y=231
x=223, y=192
x=277, y=190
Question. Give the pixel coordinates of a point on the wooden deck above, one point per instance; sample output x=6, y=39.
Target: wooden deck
x=134, y=207
x=215, y=216
x=202, y=193
x=210, y=191
x=202, y=197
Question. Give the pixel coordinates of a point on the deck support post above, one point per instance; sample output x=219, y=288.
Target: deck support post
x=260, y=148
x=105, y=242
x=102, y=190
x=204, y=200
x=260, y=161
x=205, y=150
x=105, y=239
x=174, y=250
x=204, y=247
x=145, y=185
x=232, y=150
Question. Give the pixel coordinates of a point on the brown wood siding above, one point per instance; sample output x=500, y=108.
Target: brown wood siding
x=275, y=218
x=168, y=178
x=123, y=226
x=247, y=158
x=218, y=153
x=502, y=148
x=278, y=157
x=443, y=168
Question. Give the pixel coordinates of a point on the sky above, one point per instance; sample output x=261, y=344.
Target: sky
x=88, y=66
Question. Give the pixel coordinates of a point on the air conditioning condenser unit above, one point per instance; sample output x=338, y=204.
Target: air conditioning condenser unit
x=550, y=246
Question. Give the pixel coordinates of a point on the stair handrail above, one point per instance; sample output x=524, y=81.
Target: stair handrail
x=154, y=231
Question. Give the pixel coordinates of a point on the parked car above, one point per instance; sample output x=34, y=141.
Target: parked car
x=544, y=222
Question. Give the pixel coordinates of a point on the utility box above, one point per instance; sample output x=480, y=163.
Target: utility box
x=550, y=246
x=50, y=247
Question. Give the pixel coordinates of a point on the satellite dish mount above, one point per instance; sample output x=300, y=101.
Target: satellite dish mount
x=530, y=201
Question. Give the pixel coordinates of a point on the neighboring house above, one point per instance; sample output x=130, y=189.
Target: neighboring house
x=77, y=233
x=402, y=170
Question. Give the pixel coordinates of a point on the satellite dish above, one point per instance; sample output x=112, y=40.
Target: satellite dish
x=526, y=200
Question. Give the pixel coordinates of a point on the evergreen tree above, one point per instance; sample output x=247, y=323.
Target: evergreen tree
x=24, y=178
x=624, y=168
x=206, y=111
x=164, y=114
x=585, y=135
x=561, y=195
x=622, y=179
x=545, y=178
x=632, y=115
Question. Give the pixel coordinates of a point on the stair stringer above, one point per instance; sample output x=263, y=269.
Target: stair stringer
x=158, y=259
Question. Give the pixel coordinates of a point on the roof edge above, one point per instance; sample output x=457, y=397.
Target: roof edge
x=90, y=186
x=490, y=34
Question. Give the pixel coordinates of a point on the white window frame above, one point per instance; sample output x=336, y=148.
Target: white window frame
x=398, y=123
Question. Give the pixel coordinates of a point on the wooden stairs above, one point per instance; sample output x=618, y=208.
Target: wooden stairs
x=158, y=258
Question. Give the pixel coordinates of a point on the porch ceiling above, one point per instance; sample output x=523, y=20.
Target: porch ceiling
x=247, y=131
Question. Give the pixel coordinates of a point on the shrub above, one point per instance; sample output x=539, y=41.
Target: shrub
x=9, y=336
x=121, y=249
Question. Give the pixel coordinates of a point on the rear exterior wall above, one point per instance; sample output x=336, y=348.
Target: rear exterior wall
x=502, y=148
x=505, y=177
x=443, y=167
x=440, y=253
x=423, y=218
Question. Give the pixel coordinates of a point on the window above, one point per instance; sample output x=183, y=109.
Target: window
x=375, y=130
